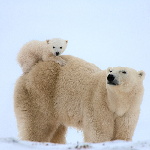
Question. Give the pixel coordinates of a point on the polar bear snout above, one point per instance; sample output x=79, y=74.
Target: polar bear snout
x=57, y=53
x=111, y=80
x=110, y=77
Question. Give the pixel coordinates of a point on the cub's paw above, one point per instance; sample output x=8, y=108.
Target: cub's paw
x=62, y=62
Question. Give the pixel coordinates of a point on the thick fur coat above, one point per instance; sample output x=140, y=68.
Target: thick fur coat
x=50, y=98
x=34, y=51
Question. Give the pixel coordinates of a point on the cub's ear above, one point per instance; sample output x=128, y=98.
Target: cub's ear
x=141, y=74
x=108, y=69
x=47, y=41
x=66, y=41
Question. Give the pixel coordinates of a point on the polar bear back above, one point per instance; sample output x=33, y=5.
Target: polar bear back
x=75, y=62
x=68, y=85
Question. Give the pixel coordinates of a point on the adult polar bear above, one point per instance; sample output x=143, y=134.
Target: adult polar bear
x=50, y=98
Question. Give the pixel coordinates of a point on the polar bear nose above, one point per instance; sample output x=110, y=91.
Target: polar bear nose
x=110, y=77
x=57, y=53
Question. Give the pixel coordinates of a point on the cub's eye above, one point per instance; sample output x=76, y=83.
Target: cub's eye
x=60, y=47
x=124, y=72
x=110, y=71
x=53, y=47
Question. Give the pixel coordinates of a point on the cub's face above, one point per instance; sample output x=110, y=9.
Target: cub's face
x=57, y=45
x=124, y=78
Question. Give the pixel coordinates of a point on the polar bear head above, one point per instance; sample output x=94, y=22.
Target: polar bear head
x=124, y=78
x=124, y=89
x=57, y=45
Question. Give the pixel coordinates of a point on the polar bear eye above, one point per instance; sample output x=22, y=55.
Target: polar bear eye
x=53, y=47
x=110, y=71
x=60, y=47
x=124, y=72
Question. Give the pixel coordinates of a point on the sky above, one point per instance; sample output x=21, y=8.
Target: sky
x=104, y=32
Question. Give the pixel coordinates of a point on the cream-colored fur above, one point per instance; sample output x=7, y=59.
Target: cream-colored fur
x=33, y=51
x=124, y=100
x=50, y=98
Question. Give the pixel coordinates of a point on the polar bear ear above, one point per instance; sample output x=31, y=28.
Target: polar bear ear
x=141, y=74
x=47, y=41
x=108, y=69
x=66, y=41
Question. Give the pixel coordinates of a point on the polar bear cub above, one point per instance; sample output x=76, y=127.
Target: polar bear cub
x=33, y=51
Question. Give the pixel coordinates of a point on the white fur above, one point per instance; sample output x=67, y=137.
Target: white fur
x=35, y=50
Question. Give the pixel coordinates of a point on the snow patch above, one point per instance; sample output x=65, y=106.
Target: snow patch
x=14, y=144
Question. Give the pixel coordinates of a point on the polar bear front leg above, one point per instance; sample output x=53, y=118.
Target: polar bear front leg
x=56, y=59
x=97, y=133
x=98, y=125
x=61, y=61
x=125, y=126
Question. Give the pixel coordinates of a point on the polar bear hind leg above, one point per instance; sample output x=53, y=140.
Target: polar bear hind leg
x=59, y=135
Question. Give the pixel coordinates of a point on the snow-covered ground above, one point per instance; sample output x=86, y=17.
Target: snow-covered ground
x=107, y=33
x=14, y=144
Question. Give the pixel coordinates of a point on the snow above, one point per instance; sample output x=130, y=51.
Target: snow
x=106, y=33
x=14, y=144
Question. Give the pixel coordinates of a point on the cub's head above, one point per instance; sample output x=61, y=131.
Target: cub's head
x=124, y=79
x=57, y=45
